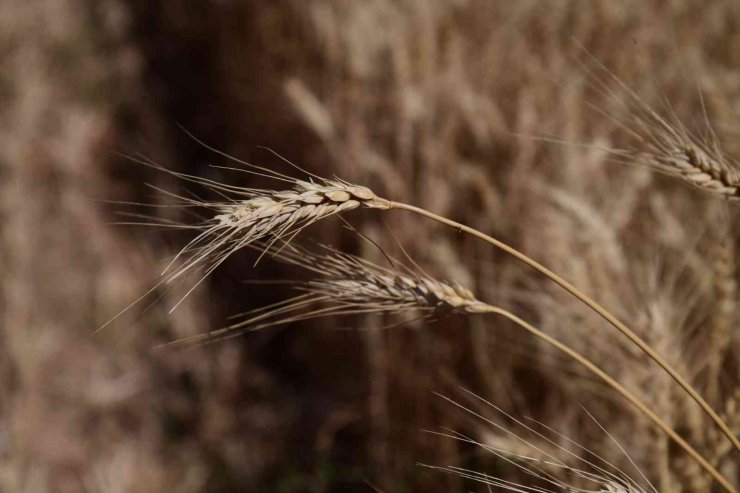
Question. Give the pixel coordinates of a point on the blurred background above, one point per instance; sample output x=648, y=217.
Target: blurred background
x=434, y=102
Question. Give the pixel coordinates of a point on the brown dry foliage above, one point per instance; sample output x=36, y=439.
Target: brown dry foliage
x=429, y=101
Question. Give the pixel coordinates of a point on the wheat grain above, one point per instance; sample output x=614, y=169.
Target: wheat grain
x=668, y=147
x=665, y=143
x=266, y=213
x=349, y=285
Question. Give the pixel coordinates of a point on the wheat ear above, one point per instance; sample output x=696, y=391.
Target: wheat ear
x=668, y=147
x=537, y=462
x=267, y=213
x=349, y=285
x=664, y=143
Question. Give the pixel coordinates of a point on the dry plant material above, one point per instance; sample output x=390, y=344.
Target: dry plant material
x=239, y=221
x=279, y=214
x=668, y=147
x=356, y=281
x=540, y=456
x=350, y=285
x=666, y=144
x=248, y=215
x=276, y=215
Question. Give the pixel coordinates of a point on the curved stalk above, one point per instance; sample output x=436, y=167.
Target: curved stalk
x=622, y=391
x=616, y=323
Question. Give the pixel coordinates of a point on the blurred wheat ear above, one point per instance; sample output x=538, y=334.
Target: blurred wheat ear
x=539, y=455
x=663, y=143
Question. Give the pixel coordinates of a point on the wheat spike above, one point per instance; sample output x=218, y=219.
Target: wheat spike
x=245, y=216
x=671, y=149
x=273, y=214
x=356, y=281
x=348, y=285
x=538, y=452
x=665, y=144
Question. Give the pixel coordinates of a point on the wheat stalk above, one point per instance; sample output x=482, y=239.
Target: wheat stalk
x=350, y=285
x=278, y=214
x=596, y=307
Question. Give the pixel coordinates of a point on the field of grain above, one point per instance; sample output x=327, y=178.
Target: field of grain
x=595, y=137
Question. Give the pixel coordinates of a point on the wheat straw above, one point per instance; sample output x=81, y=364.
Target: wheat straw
x=351, y=285
x=276, y=215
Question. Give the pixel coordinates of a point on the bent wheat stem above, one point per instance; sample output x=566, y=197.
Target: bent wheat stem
x=349, y=285
x=603, y=312
x=621, y=390
x=252, y=215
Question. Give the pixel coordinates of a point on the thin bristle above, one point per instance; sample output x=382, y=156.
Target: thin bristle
x=525, y=448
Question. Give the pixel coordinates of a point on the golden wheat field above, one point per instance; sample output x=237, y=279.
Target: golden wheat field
x=369, y=246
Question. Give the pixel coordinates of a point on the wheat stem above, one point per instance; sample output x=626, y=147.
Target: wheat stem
x=605, y=314
x=351, y=285
x=622, y=391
